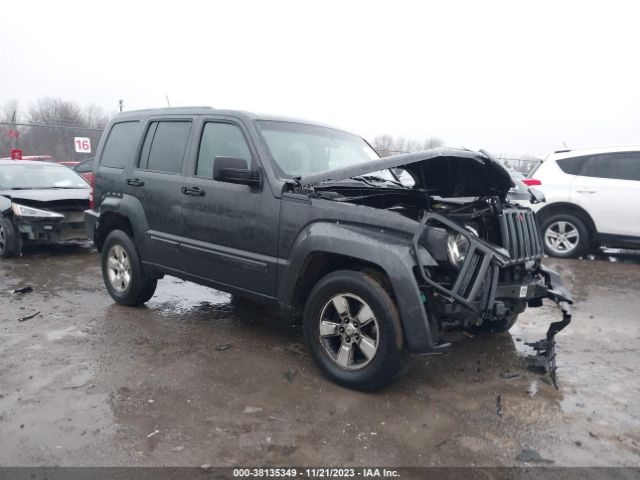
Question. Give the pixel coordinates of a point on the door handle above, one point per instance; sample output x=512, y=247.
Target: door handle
x=586, y=191
x=134, y=182
x=194, y=191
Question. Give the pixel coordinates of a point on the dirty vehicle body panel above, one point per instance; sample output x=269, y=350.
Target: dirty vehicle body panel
x=270, y=234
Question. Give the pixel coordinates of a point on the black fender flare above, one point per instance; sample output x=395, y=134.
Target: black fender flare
x=131, y=208
x=388, y=250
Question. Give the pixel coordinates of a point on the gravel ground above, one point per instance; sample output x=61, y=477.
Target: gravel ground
x=197, y=377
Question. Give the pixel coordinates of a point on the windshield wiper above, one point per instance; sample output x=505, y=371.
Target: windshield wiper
x=375, y=178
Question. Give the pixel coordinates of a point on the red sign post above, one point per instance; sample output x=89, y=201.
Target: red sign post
x=16, y=154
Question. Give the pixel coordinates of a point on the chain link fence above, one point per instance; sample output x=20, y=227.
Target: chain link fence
x=60, y=142
x=524, y=164
x=65, y=143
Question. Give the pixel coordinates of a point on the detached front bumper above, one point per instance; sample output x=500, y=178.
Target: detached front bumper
x=556, y=291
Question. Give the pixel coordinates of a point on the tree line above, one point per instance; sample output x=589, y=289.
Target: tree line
x=59, y=121
x=387, y=145
x=48, y=127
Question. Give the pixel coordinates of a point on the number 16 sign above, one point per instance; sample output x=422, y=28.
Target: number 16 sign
x=82, y=144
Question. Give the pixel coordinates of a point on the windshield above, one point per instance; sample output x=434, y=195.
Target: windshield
x=38, y=176
x=301, y=149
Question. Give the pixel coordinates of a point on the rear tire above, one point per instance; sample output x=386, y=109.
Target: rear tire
x=10, y=240
x=369, y=352
x=122, y=271
x=565, y=236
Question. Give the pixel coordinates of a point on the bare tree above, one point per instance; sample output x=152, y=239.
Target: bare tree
x=432, y=142
x=9, y=111
x=95, y=117
x=57, y=122
x=387, y=145
x=383, y=143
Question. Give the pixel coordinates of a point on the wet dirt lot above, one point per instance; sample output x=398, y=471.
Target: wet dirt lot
x=197, y=377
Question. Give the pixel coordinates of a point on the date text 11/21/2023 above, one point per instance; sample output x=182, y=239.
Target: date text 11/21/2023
x=315, y=472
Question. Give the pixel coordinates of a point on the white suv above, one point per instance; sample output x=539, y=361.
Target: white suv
x=593, y=199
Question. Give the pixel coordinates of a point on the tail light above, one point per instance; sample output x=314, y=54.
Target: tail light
x=531, y=182
x=92, y=202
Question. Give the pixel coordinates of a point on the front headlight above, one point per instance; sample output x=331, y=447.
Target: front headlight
x=29, y=212
x=457, y=248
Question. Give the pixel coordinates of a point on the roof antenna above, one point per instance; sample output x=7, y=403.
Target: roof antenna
x=168, y=102
x=565, y=144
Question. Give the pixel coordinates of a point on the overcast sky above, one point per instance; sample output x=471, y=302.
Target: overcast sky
x=511, y=77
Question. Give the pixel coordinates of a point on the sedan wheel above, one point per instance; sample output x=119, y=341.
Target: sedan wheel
x=10, y=242
x=3, y=239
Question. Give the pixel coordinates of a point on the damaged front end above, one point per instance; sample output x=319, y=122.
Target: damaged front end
x=488, y=250
x=493, y=284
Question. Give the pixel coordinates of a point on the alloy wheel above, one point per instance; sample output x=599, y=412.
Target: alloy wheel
x=3, y=239
x=348, y=331
x=562, y=237
x=118, y=268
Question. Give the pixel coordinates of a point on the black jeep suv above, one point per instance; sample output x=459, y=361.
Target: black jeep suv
x=377, y=256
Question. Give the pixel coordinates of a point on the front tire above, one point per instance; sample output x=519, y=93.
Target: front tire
x=353, y=330
x=122, y=271
x=10, y=240
x=565, y=236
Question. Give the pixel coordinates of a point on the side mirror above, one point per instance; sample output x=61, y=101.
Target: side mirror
x=235, y=170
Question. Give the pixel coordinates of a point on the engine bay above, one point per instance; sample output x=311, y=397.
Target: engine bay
x=478, y=214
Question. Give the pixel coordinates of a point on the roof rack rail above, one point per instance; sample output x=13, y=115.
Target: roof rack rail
x=171, y=109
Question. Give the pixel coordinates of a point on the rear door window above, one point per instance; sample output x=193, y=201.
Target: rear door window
x=120, y=145
x=220, y=140
x=164, y=146
x=619, y=166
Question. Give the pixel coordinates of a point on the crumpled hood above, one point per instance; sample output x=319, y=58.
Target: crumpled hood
x=445, y=172
x=47, y=195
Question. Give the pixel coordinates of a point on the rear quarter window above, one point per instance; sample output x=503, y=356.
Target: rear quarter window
x=84, y=167
x=120, y=144
x=572, y=166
